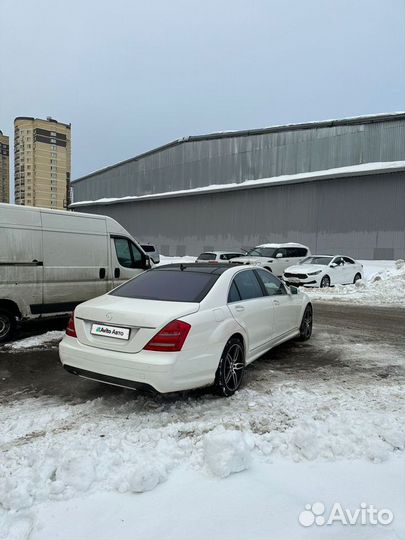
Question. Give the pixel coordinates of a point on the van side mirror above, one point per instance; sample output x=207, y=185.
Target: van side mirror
x=147, y=263
x=294, y=290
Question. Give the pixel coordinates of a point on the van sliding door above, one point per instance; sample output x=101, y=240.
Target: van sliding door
x=75, y=260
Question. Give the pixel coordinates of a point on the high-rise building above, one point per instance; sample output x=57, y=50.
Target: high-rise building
x=41, y=162
x=4, y=168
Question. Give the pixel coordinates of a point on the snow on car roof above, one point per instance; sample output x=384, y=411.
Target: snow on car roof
x=286, y=244
x=222, y=251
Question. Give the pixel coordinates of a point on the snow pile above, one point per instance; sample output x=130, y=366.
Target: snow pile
x=126, y=443
x=36, y=341
x=226, y=452
x=384, y=287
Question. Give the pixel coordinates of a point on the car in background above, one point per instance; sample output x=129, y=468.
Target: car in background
x=275, y=257
x=152, y=252
x=217, y=257
x=324, y=271
x=182, y=326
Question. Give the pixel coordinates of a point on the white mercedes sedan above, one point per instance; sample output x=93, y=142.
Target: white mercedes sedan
x=324, y=271
x=184, y=326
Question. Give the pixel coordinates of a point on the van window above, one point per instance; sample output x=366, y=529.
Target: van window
x=128, y=254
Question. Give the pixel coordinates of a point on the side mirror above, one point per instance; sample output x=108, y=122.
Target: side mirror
x=294, y=290
x=147, y=263
x=333, y=265
x=279, y=255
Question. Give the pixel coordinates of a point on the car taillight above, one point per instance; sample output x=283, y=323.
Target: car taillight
x=170, y=338
x=71, y=330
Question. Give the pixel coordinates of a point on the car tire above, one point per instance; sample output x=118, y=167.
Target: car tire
x=306, y=324
x=357, y=277
x=268, y=268
x=325, y=282
x=229, y=375
x=8, y=325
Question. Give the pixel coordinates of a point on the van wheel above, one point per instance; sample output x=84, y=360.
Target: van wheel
x=7, y=325
x=231, y=367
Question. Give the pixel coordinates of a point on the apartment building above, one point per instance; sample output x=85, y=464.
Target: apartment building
x=42, y=162
x=4, y=168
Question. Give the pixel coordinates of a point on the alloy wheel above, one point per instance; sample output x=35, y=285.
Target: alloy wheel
x=233, y=367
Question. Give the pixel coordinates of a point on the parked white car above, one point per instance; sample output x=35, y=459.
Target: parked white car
x=324, y=271
x=218, y=256
x=183, y=326
x=51, y=260
x=275, y=257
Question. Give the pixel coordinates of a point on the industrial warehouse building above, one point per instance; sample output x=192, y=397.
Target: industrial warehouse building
x=336, y=186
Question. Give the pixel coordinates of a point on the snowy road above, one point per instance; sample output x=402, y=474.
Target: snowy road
x=321, y=420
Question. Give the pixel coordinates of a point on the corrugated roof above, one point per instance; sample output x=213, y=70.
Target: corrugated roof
x=367, y=119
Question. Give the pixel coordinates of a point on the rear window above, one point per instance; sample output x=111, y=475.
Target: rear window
x=207, y=257
x=168, y=285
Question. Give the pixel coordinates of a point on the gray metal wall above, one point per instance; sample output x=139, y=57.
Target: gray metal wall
x=226, y=158
x=360, y=216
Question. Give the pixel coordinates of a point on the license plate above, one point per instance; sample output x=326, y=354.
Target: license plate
x=110, y=331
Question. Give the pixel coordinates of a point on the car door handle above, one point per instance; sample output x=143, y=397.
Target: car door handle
x=239, y=308
x=276, y=302
x=117, y=272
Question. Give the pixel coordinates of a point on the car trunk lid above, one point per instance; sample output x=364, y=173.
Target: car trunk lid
x=143, y=319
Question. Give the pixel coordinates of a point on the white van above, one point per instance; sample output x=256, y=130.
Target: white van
x=51, y=260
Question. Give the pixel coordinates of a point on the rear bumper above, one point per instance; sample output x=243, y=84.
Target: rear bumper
x=108, y=379
x=163, y=372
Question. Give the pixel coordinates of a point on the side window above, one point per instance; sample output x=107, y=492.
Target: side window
x=292, y=252
x=348, y=260
x=128, y=254
x=123, y=250
x=283, y=252
x=248, y=285
x=301, y=252
x=137, y=255
x=273, y=285
x=233, y=295
x=338, y=260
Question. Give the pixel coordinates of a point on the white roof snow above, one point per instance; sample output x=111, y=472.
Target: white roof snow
x=339, y=172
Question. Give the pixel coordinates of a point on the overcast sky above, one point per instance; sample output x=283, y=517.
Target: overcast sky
x=131, y=75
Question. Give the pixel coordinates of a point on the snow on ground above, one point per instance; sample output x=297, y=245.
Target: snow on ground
x=35, y=341
x=383, y=284
x=127, y=465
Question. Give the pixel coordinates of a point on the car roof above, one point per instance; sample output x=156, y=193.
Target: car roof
x=223, y=251
x=196, y=267
x=286, y=244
